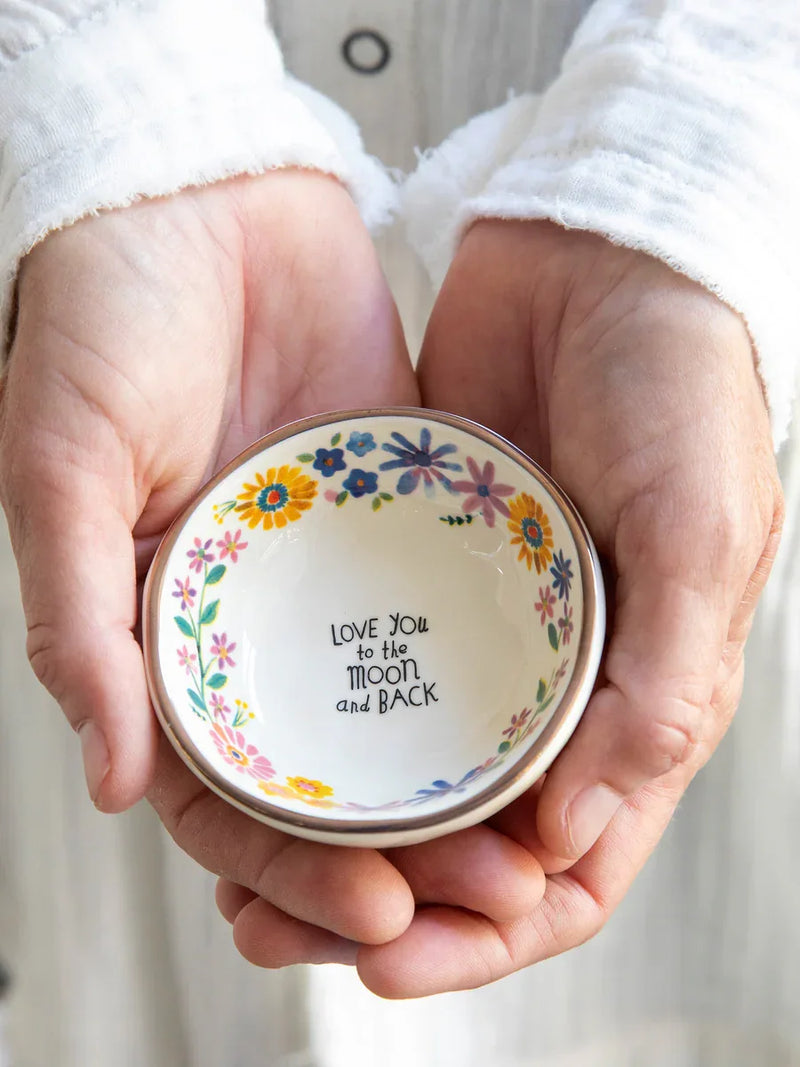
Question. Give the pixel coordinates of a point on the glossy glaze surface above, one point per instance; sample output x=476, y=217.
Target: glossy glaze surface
x=365, y=627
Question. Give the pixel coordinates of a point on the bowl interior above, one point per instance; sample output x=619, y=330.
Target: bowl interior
x=367, y=619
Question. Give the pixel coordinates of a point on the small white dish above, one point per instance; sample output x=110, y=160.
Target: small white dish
x=374, y=627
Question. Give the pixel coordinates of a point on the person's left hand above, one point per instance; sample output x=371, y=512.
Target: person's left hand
x=636, y=388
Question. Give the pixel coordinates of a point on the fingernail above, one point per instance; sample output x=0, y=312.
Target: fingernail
x=589, y=814
x=96, y=760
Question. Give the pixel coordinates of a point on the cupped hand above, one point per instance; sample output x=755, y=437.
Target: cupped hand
x=636, y=388
x=152, y=344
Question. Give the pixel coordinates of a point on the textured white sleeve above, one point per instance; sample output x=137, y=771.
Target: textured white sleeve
x=104, y=101
x=673, y=127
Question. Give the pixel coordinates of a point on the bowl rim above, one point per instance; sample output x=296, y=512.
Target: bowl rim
x=492, y=797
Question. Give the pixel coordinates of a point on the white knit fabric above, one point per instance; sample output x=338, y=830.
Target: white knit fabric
x=674, y=128
x=668, y=131
x=123, y=100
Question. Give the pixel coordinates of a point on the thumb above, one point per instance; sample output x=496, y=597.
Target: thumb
x=63, y=482
x=673, y=670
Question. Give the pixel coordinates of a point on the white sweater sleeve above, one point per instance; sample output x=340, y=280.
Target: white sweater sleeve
x=673, y=127
x=102, y=101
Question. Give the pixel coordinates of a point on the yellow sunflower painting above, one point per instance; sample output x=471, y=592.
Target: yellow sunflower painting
x=277, y=498
x=532, y=531
x=308, y=790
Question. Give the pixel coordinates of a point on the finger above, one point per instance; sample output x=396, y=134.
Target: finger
x=674, y=612
x=231, y=898
x=517, y=822
x=652, y=715
x=353, y=892
x=476, y=869
x=479, y=869
x=268, y=937
x=446, y=950
x=61, y=490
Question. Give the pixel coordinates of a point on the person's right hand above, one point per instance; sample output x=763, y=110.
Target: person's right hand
x=152, y=344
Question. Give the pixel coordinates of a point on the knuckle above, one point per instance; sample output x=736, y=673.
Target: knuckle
x=726, y=532
x=266, y=872
x=653, y=534
x=570, y=919
x=589, y=928
x=492, y=957
x=186, y=823
x=667, y=738
x=45, y=658
x=743, y=530
x=728, y=693
x=770, y=505
x=773, y=530
x=592, y=916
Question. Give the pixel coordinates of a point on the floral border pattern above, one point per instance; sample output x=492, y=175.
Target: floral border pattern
x=280, y=495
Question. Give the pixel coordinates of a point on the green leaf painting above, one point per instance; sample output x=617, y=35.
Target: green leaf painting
x=196, y=700
x=216, y=574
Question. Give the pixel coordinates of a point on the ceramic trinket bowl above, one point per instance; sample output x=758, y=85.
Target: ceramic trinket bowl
x=374, y=627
